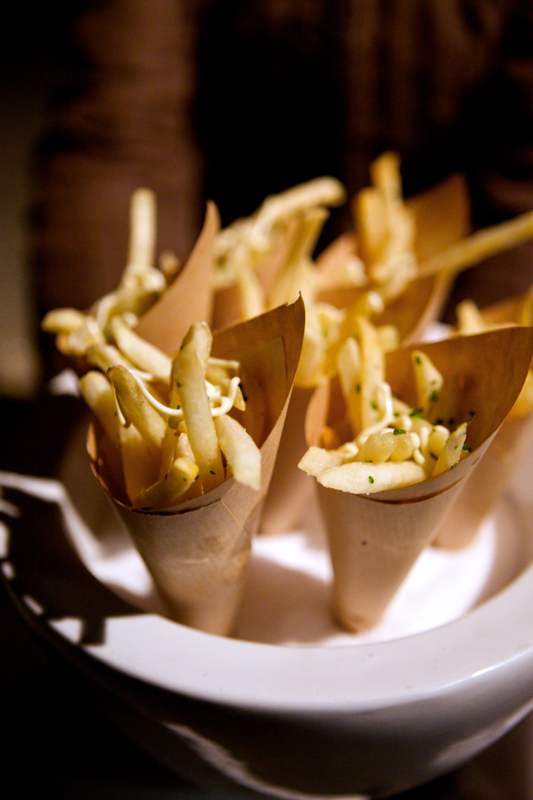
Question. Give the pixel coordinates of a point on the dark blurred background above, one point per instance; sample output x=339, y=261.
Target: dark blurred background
x=28, y=46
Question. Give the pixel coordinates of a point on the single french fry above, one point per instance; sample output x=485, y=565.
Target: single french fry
x=251, y=294
x=140, y=352
x=372, y=373
x=316, y=460
x=183, y=447
x=452, y=451
x=312, y=355
x=360, y=478
x=168, y=491
x=63, y=320
x=139, y=461
x=136, y=409
x=143, y=229
x=104, y=356
x=348, y=365
x=469, y=317
x=299, y=275
x=405, y=446
x=188, y=375
x=200, y=334
x=428, y=380
x=370, y=223
x=478, y=246
x=385, y=174
x=97, y=392
x=324, y=191
x=241, y=452
x=377, y=448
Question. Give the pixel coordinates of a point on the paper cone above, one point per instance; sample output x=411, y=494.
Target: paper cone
x=291, y=491
x=376, y=539
x=501, y=462
x=189, y=298
x=197, y=552
x=488, y=482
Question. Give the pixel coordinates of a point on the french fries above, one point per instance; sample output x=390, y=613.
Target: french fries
x=480, y=245
x=175, y=436
x=283, y=234
x=157, y=412
x=189, y=378
x=393, y=444
x=141, y=284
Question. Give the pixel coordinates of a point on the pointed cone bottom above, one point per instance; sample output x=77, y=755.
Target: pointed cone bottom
x=376, y=539
x=197, y=552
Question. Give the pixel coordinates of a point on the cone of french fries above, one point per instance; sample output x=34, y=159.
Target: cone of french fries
x=190, y=492
x=504, y=457
x=370, y=271
x=391, y=440
x=186, y=423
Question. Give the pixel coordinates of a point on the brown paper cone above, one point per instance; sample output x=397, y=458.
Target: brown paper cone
x=501, y=463
x=291, y=491
x=189, y=298
x=197, y=552
x=376, y=539
x=488, y=482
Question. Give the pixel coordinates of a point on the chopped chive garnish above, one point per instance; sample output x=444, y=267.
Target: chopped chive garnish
x=370, y=479
x=398, y=431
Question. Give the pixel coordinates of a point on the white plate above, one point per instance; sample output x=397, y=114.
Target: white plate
x=290, y=707
x=286, y=600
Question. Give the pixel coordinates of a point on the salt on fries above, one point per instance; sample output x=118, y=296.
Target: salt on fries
x=393, y=444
